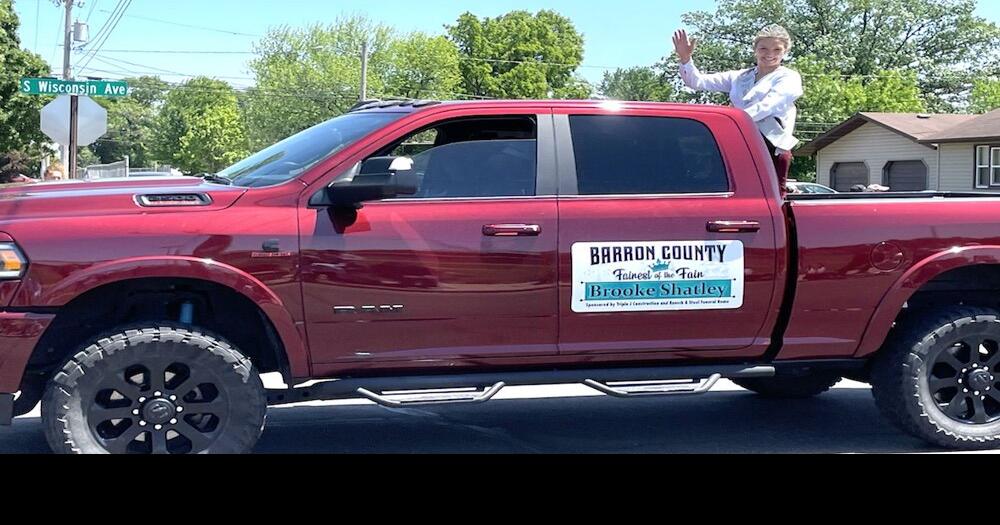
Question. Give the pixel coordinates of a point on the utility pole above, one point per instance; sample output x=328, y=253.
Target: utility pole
x=68, y=40
x=364, y=71
x=72, y=32
x=69, y=160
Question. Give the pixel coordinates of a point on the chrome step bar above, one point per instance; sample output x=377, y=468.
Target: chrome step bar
x=431, y=397
x=481, y=387
x=626, y=390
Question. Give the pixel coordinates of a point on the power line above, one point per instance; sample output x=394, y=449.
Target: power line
x=93, y=4
x=122, y=70
x=203, y=28
x=104, y=27
x=177, y=52
x=160, y=72
x=117, y=62
x=110, y=25
x=59, y=36
x=470, y=59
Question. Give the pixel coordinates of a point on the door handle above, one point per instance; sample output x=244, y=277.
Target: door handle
x=734, y=226
x=512, y=230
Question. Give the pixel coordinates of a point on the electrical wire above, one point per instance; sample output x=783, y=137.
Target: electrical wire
x=93, y=4
x=110, y=25
x=465, y=59
x=104, y=27
x=203, y=28
x=59, y=37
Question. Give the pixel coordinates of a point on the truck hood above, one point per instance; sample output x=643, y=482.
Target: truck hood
x=111, y=197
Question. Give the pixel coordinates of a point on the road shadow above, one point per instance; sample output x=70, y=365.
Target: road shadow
x=840, y=421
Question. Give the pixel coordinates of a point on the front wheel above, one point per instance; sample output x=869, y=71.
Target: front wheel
x=938, y=378
x=155, y=390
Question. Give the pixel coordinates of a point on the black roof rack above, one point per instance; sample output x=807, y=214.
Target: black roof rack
x=379, y=104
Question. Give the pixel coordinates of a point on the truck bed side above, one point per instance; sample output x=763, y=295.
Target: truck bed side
x=854, y=255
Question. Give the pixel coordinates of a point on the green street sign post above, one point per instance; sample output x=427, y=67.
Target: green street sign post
x=73, y=90
x=88, y=88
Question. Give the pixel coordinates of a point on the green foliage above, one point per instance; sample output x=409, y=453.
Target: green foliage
x=306, y=76
x=576, y=89
x=943, y=40
x=86, y=157
x=421, y=66
x=519, y=55
x=199, y=128
x=20, y=127
x=641, y=84
x=831, y=98
x=131, y=121
x=985, y=95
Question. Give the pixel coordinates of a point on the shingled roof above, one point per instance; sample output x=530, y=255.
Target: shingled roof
x=919, y=127
x=983, y=127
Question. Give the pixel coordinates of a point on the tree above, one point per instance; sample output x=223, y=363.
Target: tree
x=942, y=40
x=518, y=55
x=20, y=127
x=199, y=128
x=131, y=122
x=306, y=76
x=421, y=66
x=830, y=98
x=576, y=89
x=641, y=84
x=985, y=96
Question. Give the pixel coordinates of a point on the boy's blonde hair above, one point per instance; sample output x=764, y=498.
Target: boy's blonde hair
x=774, y=31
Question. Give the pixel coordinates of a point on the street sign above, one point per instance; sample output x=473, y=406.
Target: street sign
x=92, y=121
x=89, y=88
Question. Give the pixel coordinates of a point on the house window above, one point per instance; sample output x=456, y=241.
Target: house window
x=987, y=166
x=995, y=166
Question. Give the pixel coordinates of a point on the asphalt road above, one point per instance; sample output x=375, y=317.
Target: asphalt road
x=571, y=419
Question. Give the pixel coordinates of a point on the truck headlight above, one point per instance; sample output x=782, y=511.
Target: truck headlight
x=12, y=262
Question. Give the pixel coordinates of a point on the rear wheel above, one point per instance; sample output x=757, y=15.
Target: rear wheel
x=790, y=387
x=155, y=390
x=938, y=378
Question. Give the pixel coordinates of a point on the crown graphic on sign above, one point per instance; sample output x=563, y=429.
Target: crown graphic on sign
x=660, y=266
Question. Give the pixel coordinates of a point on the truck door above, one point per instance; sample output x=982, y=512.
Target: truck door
x=666, y=240
x=463, y=270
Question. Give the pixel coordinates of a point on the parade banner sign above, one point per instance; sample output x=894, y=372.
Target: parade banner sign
x=657, y=276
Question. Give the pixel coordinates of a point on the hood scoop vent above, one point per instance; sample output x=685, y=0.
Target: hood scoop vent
x=167, y=200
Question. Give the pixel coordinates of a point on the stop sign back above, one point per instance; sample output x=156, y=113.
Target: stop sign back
x=92, y=121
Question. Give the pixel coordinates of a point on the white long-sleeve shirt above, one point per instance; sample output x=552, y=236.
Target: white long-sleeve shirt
x=770, y=102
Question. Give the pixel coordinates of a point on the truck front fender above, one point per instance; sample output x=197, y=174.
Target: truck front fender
x=916, y=277
x=179, y=267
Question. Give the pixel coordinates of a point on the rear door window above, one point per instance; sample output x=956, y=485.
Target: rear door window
x=623, y=155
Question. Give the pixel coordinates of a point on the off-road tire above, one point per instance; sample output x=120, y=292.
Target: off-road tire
x=790, y=387
x=83, y=391
x=901, y=379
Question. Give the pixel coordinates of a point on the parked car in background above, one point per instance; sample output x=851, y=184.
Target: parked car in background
x=808, y=188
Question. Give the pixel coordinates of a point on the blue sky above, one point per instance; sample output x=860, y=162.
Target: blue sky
x=634, y=35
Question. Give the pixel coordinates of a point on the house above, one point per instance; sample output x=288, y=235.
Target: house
x=910, y=152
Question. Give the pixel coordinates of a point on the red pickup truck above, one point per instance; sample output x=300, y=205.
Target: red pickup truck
x=422, y=252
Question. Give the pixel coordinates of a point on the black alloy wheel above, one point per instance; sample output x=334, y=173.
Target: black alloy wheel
x=158, y=406
x=163, y=390
x=963, y=381
x=937, y=377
